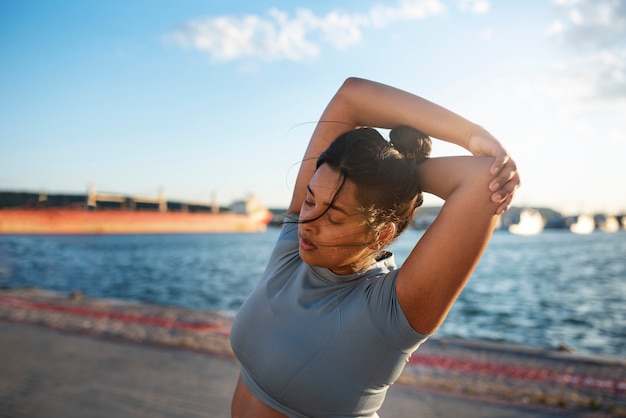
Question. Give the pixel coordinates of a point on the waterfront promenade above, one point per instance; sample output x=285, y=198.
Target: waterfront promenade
x=70, y=356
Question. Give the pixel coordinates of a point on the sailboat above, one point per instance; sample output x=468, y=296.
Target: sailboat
x=609, y=224
x=584, y=225
x=530, y=223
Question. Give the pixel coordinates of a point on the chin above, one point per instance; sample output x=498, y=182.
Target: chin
x=305, y=256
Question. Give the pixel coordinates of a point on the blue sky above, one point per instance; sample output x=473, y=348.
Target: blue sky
x=202, y=97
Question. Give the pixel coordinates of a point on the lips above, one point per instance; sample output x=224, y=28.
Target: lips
x=306, y=245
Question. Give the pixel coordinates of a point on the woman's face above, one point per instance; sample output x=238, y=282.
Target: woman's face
x=338, y=240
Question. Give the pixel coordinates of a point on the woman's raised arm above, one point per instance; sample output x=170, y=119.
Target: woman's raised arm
x=361, y=102
x=437, y=269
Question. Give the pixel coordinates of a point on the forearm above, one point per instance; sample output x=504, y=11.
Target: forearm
x=366, y=103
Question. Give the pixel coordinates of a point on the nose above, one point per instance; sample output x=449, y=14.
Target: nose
x=307, y=223
x=309, y=219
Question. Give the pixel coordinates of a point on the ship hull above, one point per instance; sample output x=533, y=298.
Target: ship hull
x=67, y=221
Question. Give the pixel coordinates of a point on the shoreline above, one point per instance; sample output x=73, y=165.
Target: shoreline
x=490, y=372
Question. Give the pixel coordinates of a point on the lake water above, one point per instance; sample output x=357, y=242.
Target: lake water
x=543, y=290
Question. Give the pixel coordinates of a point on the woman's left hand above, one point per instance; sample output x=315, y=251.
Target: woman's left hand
x=503, y=186
x=504, y=169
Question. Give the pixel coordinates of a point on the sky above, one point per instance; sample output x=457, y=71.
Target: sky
x=206, y=99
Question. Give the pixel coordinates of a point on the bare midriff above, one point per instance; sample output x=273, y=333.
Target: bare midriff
x=246, y=405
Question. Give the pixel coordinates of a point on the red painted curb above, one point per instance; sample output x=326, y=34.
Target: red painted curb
x=117, y=316
x=518, y=372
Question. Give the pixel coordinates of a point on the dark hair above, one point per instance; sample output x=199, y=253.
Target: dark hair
x=385, y=173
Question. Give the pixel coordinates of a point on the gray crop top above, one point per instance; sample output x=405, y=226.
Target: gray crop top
x=315, y=344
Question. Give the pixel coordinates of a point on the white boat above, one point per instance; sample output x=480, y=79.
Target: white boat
x=609, y=224
x=584, y=225
x=530, y=223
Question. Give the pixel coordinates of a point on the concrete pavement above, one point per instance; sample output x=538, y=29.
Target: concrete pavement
x=50, y=373
x=67, y=355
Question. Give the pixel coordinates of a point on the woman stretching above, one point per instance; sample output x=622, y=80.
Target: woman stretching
x=332, y=322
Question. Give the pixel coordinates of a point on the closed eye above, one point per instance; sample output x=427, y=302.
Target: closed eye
x=329, y=206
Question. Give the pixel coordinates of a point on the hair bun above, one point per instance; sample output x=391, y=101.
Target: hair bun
x=411, y=143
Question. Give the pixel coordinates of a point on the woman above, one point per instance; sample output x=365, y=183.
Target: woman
x=332, y=321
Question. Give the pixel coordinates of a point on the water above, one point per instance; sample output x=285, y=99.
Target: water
x=544, y=290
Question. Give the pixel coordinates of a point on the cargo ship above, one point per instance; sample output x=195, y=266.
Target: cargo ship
x=96, y=215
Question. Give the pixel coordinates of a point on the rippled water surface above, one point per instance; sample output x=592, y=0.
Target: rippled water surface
x=542, y=291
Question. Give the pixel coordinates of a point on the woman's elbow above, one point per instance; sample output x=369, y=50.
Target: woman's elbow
x=447, y=176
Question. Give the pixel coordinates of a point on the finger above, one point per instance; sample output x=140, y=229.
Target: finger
x=504, y=206
x=506, y=174
x=498, y=164
x=507, y=189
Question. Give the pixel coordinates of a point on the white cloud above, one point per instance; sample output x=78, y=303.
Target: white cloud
x=381, y=15
x=586, y=83
x=228, y=38
x=575, y=17
x=277, y=35
x=609, y=72
x=595, y=23
x=474, y=6
x=595, y=30
x=555, y=28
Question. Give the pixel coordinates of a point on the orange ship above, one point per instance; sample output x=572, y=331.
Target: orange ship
x=72, y=221
x=246, y=216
